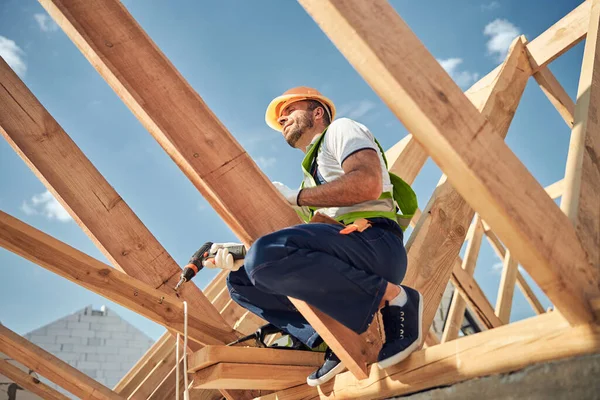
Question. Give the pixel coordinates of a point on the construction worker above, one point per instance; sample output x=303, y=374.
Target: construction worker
x=335, y=265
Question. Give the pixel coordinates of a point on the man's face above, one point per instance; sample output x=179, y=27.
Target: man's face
x=295, y=120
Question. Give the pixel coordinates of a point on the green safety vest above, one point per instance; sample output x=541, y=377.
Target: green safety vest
x=404, y=199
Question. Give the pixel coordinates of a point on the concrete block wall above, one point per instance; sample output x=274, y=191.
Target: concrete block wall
x=98, y=343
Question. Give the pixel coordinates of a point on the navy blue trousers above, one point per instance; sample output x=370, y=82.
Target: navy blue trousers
x=344, y=276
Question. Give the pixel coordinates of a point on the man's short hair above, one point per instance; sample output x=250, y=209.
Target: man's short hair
x=313, y=104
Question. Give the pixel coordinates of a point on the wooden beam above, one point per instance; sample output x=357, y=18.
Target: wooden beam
x=470, y=291
x=556, y=189
x=406, y=158
x=87, y=196
x=156, y=377
x=510, y=270
x=210, y=355
x=29, y=382
x=76, y=266
x=145, y=364
x=581, y=198
x=458, y=305
x=508, y=348
x=561, y=36
x=51, y=367
x=469, y=149
x=176, y=116
x=438, y=237
x=192, y=135
x=251, y=376
x=521, y=282
x=557, y=95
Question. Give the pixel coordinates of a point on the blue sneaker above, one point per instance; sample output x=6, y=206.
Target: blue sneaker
x=330, y=368
x=403, y=329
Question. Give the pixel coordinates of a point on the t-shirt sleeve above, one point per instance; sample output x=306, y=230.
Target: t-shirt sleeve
x=345, y=137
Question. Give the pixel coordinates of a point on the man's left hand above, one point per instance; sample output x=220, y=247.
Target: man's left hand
x=290, y=195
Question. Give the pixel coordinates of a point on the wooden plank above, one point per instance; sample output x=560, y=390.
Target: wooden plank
x=557, y=95
x=468, y=148
x=406, y=158
x=210, y=355
x=251, y=376
x=458, y=305
x=87, y=196
x=76, y=266
x=145, y=364
x=192, y=135
x=521, y=282
x=508, y=348
x=508, y=280
x=176, y=116
x=29, y=382
x=51, y=367
x=581, y=198
x=470, y=291
x=561, y=36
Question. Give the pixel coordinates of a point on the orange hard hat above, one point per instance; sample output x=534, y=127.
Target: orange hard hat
x=293, y=95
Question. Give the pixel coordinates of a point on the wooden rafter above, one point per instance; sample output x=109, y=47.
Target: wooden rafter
x=29, y=382
x=62, y=259
x=88, y=197
x=581, y=198
x=470, y=291
x=437, y=238
x=560, y=37
x=458, y=304
x=467, y=148
x=52, y=368
x=508, y=279
x=508, y=348
x=557, y=95
x=521, y=282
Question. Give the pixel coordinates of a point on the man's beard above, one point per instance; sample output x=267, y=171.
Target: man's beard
x=302, y=124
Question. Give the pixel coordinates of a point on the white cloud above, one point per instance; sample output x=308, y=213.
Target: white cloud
x=12, y=54
x=464, y=79
x=501, y=33
x=266, y=162
x=497, y=268
x=355, y=110
x=46, y=204
x=490, y=6
x=46, y=23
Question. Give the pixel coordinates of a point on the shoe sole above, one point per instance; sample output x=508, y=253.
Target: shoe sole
x=328, y=376
x=396, y=358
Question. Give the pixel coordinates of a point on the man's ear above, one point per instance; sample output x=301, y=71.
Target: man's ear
x=319, y=112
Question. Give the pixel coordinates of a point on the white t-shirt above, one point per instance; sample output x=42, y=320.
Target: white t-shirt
x=343, y=138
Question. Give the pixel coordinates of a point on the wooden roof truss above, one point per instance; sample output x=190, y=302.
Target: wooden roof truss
x=485, y=192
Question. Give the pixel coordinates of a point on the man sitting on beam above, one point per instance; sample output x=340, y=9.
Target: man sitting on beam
x=349, y=259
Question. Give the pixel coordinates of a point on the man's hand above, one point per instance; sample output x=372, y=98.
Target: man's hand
x=290, y=195
x=223, y=259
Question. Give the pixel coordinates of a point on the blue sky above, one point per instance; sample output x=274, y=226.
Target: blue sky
x=238, y=55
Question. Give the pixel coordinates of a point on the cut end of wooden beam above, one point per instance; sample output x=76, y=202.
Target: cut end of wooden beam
x=251, y=376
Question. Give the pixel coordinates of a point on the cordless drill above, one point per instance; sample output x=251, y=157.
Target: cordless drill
x=203, y=254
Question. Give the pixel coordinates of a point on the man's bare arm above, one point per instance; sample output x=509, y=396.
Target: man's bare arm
x=361, y=182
